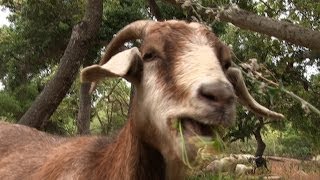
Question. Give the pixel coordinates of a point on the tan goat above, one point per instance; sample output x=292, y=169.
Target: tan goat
x=181, y=72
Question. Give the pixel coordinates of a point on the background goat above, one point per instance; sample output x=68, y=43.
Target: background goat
x=235, y=163
x=181, y=73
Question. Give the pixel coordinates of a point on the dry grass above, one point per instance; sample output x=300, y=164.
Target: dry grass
x=294, y=169
x=280, y=168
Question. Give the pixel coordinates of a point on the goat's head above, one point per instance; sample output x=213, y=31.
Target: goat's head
x=182, y=74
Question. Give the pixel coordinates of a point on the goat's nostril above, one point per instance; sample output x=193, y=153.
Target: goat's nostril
x=207, y=95
x=219, y=92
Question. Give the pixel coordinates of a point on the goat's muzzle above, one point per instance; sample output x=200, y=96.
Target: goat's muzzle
x=217, y=94
x=216, y=108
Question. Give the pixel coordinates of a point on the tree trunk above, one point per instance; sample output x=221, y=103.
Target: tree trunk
x=132, y=91
x=261, y=146
x=280, y=29
x=84, y=112
x=83, y=119
x=81, y=39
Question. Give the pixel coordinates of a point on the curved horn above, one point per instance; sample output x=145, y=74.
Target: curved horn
x=135, y=30
x=235, y=77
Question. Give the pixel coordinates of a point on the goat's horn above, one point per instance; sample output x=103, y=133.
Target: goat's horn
x=132, y=31
x=235, y=77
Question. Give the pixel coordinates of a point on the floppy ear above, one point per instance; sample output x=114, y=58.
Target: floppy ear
x=118, y=66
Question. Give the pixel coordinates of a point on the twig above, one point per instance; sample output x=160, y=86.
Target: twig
x=197, y=14
x=304, y=102
x=112, y=89
x=265, y=79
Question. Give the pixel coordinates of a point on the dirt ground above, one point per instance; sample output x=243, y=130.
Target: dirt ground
x=293, y=169
x=278, y=168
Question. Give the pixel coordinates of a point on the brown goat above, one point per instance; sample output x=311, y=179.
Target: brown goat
x=181, y=73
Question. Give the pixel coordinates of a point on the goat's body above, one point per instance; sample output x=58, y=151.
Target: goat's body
x=26, y=153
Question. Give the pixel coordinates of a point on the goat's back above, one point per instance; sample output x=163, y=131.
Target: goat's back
x=22, y=150
x=26, y=153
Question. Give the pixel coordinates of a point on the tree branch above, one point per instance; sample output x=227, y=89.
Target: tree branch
x=307, y=54
x=112, y=89
x=246, y=20
x=281, y=29
x=154, y=8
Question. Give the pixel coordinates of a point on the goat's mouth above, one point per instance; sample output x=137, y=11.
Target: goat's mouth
x=191, y=127
x=200, y=140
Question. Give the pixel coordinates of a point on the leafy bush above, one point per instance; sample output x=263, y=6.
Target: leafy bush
x=299, y=146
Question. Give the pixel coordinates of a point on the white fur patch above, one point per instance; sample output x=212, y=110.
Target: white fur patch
x=198, y=65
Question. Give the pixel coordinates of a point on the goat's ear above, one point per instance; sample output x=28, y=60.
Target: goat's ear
x=235, y=77
x=225, y=53
x=120, y=65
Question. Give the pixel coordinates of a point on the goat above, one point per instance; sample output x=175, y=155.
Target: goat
x=232, y=163
x=244, y=158
x=226, y=164
x=181, y=73
x=242, y=169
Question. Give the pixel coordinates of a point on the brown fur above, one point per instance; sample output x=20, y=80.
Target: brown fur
x=26, y=153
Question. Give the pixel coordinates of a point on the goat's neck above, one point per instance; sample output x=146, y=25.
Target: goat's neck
x=133, y=158
x=130, y=158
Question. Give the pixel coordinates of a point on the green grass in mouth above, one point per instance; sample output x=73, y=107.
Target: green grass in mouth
x=207, y=148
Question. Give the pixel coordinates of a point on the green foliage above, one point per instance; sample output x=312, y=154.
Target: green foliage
x=8, y=105
x=37, y=38
x=286, y=143
x=299, y=146
x=30, y=46
x=170, y=12
x=119, y=13
x=110, y=106
x=13, y=104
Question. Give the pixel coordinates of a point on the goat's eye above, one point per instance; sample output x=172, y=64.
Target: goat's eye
x=227, y=65
x=149, y=56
